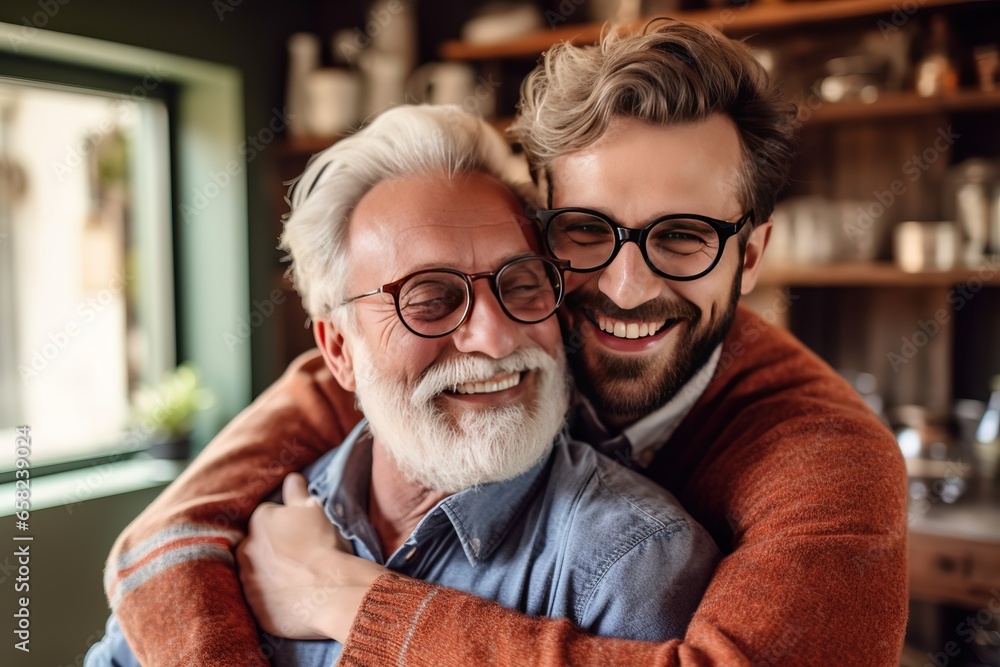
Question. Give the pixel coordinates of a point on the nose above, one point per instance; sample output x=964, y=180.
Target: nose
x=488, y=330
x=628, y=280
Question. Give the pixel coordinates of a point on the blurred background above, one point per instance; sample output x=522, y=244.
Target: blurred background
x=146, y=150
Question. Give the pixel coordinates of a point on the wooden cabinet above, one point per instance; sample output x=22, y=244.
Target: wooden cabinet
x=955, y=556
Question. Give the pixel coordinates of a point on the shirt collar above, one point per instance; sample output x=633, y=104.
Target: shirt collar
x=648, y=435
x=481, y=516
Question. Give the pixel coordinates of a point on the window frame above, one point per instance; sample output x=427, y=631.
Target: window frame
x=211, y=287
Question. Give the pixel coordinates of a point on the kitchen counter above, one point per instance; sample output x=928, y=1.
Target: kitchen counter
x=955, y=553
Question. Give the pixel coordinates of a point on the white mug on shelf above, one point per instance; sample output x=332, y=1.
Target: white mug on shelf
x=926, y=246
x=333, y=98
x=385, y=81
x=451, y=83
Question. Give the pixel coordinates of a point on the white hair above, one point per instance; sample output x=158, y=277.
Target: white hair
x=404, y=141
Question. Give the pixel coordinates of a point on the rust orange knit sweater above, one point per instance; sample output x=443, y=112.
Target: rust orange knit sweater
x=790, y=472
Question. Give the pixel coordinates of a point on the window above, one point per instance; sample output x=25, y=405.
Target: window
x=198, y=125
x=86, y=282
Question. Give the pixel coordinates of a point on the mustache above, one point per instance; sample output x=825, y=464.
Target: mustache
x=659, y=309
x=450, y=373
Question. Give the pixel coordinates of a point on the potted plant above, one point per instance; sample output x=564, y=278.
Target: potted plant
x=166, y=411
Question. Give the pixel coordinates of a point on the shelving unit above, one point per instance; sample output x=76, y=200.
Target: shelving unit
x=876, y=274
x=902, y=105
x=735, y=21
x=852, y=312
x=850, y=151
x=889, y=105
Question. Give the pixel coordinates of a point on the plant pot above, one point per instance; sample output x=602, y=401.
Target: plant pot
x=171, y=448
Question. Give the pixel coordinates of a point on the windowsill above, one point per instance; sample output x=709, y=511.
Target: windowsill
x=76, y=486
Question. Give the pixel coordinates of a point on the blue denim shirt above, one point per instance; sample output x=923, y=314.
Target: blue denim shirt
x=578, y=536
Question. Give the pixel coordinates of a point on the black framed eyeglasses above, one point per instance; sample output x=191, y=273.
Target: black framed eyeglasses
x=682, y=246
x=435, y=302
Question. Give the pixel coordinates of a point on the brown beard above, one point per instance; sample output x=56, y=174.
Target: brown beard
x=623, y=390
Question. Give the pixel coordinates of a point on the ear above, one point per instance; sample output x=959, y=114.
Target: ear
x=753, y=256
x=336, y=352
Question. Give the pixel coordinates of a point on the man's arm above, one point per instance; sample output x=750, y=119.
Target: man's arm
x=800, y=595
x=170, y=577
x=809, y=582
x=817, y=577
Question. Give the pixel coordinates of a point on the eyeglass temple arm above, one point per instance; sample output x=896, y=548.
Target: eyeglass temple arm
x=380, y=290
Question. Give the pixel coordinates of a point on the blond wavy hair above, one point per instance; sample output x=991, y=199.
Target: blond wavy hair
x=671, y=73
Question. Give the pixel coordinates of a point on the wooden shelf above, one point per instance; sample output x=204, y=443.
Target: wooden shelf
x=876, y=274
x=889, y=105
x=897, y=105
x=732, y=21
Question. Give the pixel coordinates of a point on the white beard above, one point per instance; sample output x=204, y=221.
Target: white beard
x=482, y=445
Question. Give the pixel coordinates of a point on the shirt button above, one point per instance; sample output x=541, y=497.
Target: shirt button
x=409, y=554
x=475, y=545
x=338, y=509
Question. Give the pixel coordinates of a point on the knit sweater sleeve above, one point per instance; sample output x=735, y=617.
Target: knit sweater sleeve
x=798, y=482
x=817, y=579
x=170, y=577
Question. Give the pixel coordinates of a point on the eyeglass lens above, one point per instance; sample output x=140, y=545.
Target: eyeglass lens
x=436, y=302
x=679, y=247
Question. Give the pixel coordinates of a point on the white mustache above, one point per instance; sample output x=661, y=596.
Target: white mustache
x=449, y=374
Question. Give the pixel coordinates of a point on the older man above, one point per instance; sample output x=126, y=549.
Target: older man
x=432, y=304
x=660, y=156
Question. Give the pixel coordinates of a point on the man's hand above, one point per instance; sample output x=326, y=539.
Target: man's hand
x=299, y=575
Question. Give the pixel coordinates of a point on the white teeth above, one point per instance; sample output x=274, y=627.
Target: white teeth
x=627, y=329
x=499, y=383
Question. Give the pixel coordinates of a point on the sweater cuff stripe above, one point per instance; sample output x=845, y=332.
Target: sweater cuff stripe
x=413, y=627
x=166, y=560
x=173, y=534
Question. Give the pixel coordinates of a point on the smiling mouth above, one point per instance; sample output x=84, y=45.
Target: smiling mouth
x=628, y=330
x=490, y=385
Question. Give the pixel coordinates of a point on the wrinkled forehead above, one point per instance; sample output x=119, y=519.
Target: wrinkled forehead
x=468, y=222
